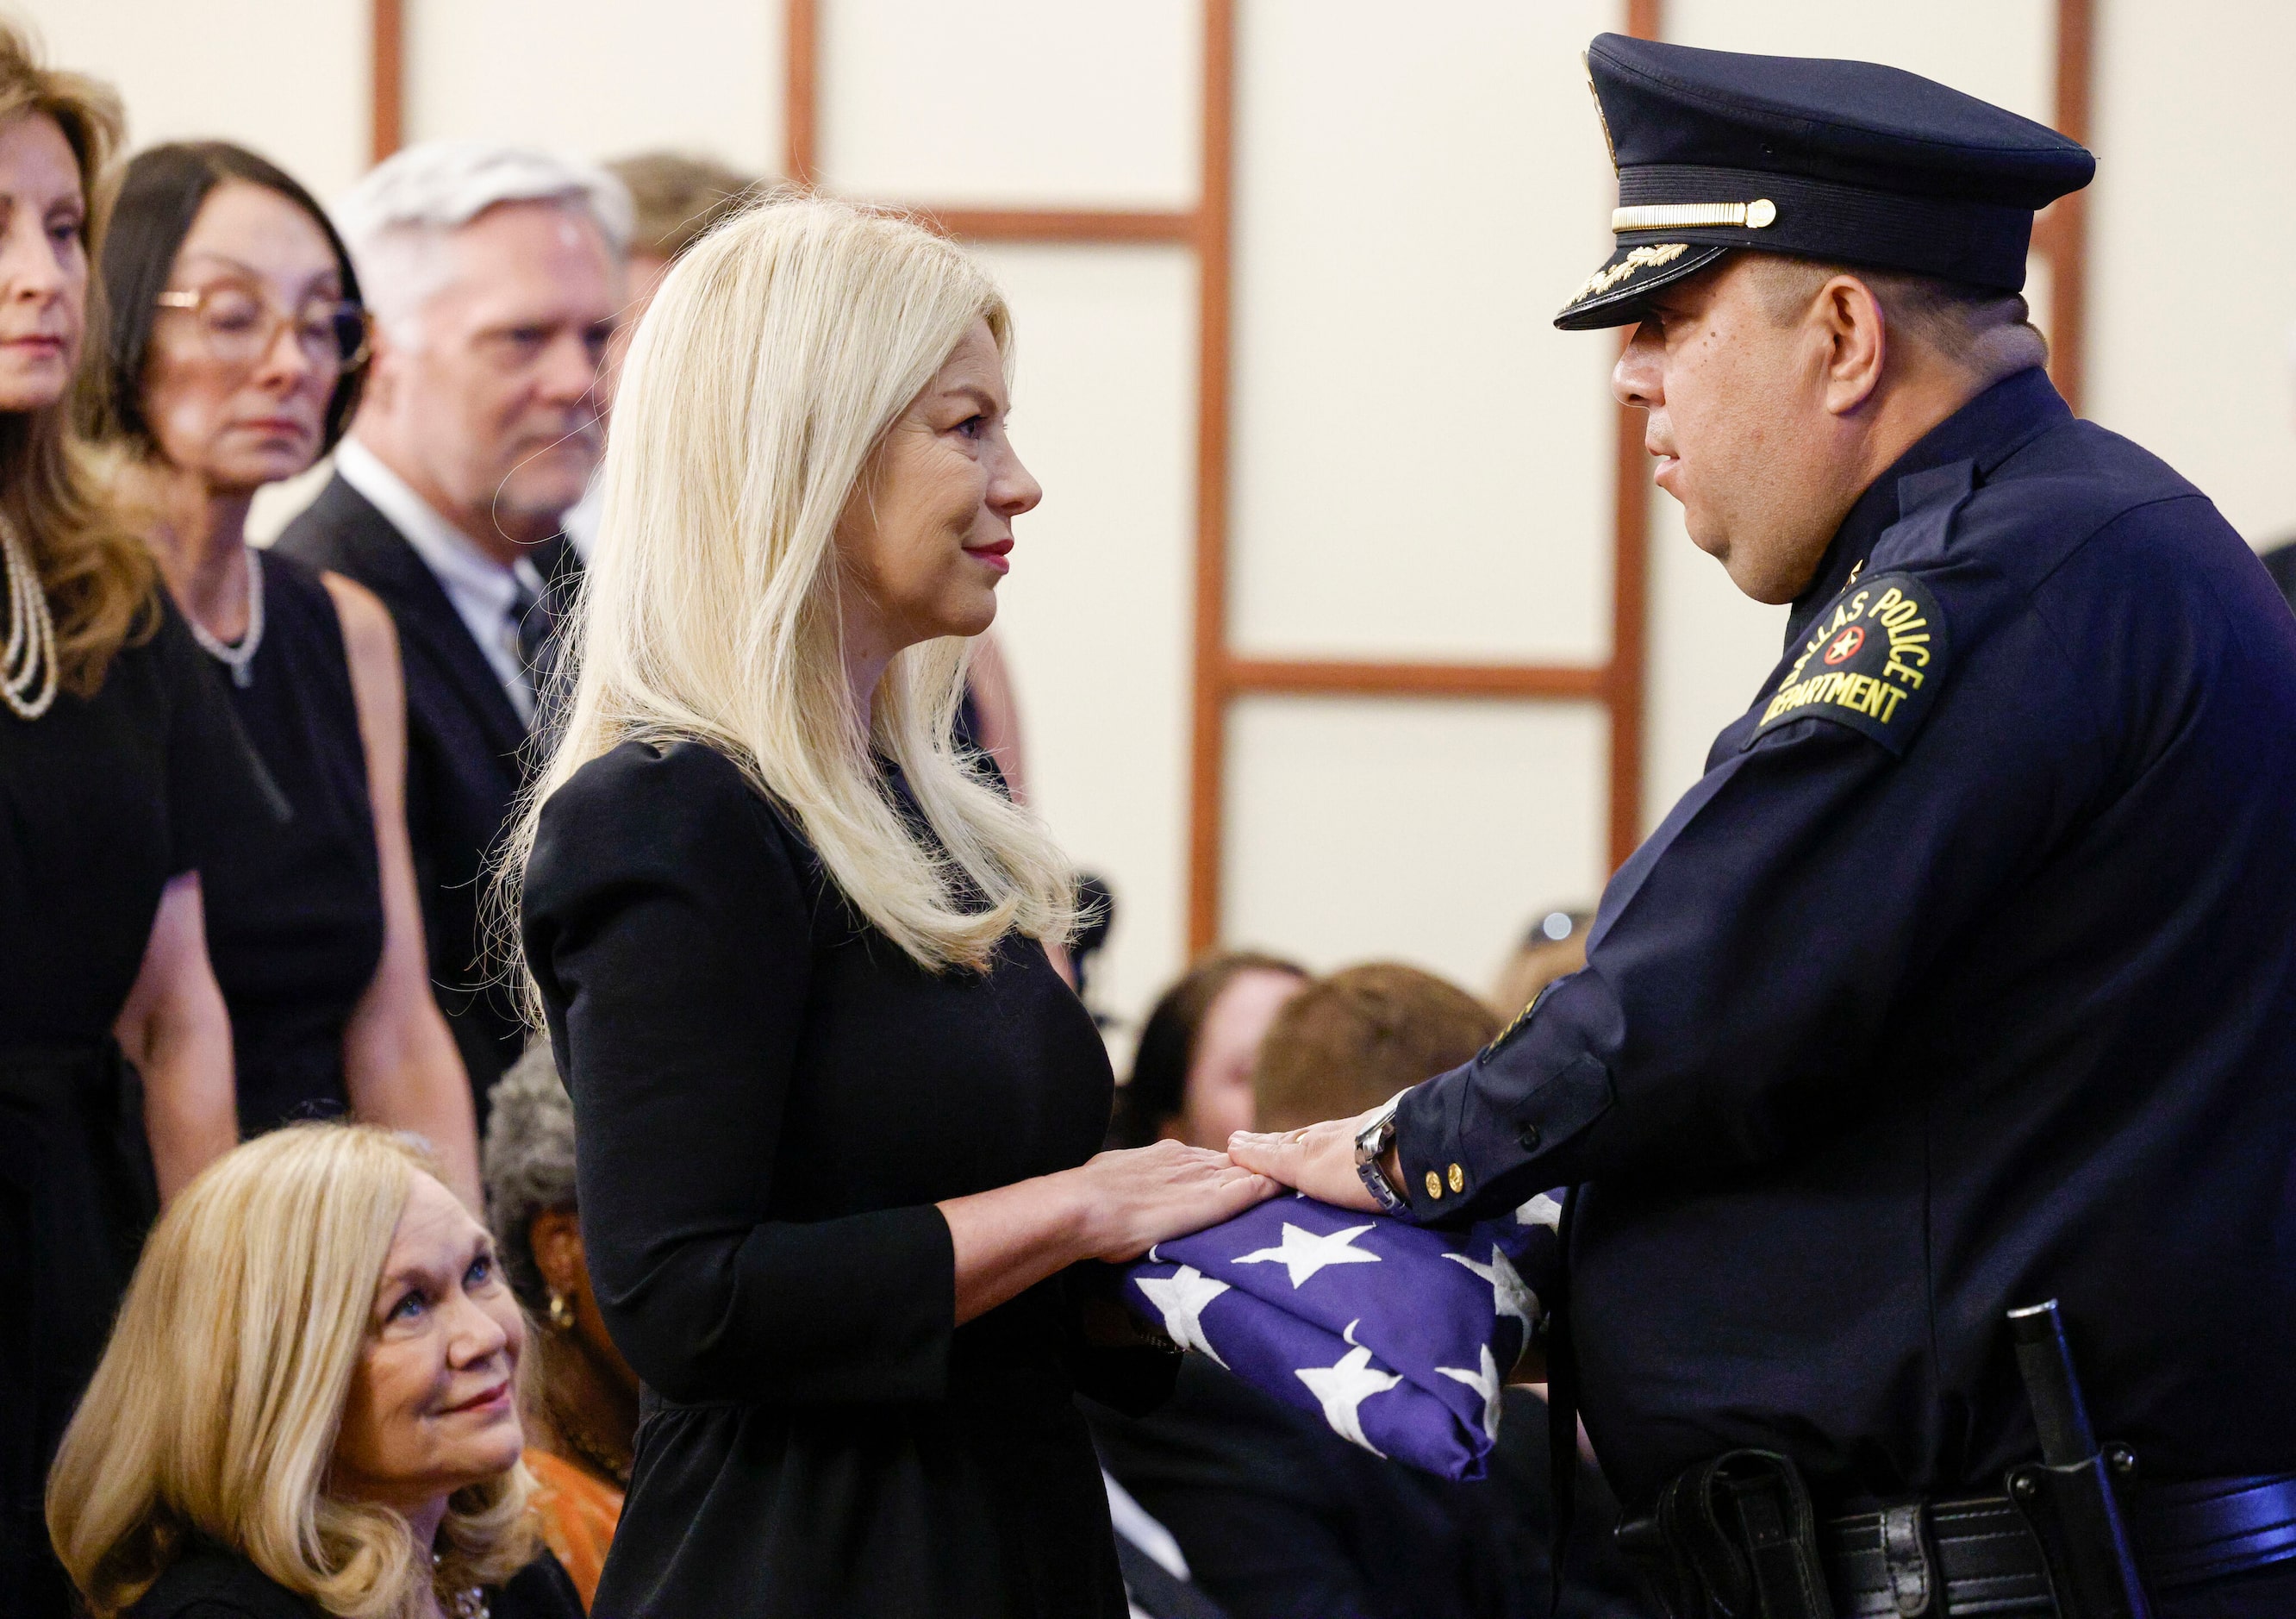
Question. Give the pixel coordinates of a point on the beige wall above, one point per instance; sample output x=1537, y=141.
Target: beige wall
x=2193, y=247
x=1420, y=465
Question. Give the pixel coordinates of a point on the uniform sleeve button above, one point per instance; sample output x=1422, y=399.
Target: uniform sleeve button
x=1527, y=1137
x=1434, y=1184
x=1458, y=1178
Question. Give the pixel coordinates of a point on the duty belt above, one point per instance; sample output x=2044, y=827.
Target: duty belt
x=1981, y=1555
x=1736, y=1537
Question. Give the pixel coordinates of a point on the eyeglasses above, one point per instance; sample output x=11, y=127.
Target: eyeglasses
x=239, y=325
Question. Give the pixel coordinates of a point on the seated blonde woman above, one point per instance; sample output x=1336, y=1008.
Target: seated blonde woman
x=307, y=1406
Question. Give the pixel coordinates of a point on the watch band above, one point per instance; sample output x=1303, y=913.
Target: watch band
x=1371, y=1141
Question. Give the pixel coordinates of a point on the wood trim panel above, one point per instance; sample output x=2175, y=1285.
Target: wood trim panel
x=801, y=91
x=386, y=78
x=1338, y=678
x=1627, y=676
x=2061, y=233
x=1211, y=693
x=1099, y=227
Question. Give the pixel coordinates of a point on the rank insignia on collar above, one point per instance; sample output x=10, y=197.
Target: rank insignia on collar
x=1873, y=661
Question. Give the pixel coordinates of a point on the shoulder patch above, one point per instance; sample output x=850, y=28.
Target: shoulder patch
x=1873, y=662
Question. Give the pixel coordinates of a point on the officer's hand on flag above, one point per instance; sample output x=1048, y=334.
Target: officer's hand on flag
x=1319, y=1160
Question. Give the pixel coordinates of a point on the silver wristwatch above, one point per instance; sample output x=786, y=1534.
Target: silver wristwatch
x=1371, y=1142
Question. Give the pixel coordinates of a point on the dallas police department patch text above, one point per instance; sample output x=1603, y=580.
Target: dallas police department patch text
x=1873, y=662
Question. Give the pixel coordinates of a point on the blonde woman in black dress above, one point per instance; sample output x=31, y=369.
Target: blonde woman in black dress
x=121, y=773
x=835, y=1112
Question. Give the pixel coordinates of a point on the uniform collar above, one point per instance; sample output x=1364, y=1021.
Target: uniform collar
x=1986, y=431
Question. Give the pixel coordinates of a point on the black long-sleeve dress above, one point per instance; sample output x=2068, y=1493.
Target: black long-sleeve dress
x=102, y=802
x=769, y=1097
x=295, y=912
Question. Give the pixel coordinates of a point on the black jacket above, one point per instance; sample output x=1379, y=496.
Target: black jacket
x=1965, y=979
x=465, y=763
x=213, y=1583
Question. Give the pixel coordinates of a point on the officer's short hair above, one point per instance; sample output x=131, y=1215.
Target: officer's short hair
x=1949, y=316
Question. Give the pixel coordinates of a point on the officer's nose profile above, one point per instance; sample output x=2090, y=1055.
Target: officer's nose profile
x=1638, y=380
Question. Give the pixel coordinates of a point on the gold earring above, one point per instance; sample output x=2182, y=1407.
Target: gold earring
x=562, y=1313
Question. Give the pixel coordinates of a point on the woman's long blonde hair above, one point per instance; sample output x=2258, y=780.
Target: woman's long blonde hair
x=100, y=583
x=776, y=357
x=215, y=1410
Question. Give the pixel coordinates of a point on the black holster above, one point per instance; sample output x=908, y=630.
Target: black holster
x=2075, y=1514
x=1732, y=1538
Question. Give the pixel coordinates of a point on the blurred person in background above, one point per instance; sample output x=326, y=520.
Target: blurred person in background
x=1277, y=1515
x=676, y=198
x=581, y=1397
x=1553, y=946
x=836, y=1116
x=122, y=775
x=233, y=359
x=494, y=275
x=1192, y=1070
x=308, y=1406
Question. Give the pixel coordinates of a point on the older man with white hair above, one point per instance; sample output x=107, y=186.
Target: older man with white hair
x=494, y=275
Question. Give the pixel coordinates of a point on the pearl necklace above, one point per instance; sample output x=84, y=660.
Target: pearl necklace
x=240, y=659
x=29, y=662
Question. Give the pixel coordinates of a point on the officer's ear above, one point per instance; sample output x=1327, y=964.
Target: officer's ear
x=1850, y=320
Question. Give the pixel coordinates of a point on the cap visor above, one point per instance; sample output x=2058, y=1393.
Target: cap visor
x=1614, y=295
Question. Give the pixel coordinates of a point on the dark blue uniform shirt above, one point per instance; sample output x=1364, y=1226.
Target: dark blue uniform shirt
x=1965, y=978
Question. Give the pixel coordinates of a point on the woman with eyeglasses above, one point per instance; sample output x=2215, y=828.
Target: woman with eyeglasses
x=234, y=355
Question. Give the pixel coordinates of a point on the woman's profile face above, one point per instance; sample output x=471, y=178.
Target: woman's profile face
x=222, y=403
x=927, y=538
x=432, y=1404
x=1218, y=1100
x=42, y=262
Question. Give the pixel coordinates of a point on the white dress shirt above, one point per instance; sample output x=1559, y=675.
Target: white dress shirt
x=482, y=590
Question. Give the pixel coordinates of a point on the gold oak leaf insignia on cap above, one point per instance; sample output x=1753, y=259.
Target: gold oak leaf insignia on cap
x=1642, y=258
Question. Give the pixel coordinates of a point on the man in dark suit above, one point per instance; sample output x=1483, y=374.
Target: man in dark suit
x=494, y=276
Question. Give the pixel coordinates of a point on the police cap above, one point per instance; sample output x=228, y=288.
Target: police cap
x=1837, y=161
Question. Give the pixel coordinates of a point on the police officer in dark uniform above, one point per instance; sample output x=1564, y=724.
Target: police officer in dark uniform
x=1965, y=979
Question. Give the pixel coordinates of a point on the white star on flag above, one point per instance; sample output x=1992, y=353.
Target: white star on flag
x=1303, y=1252
x=1344, y=1387
x=1509, y=1297
x=1543, y=1210
x=1484, y=1381
x=1181, y=1297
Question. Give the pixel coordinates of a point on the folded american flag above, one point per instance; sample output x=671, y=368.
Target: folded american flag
x=1406, y=1360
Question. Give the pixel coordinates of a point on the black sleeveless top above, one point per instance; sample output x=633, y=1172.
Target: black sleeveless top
x=295, y=910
